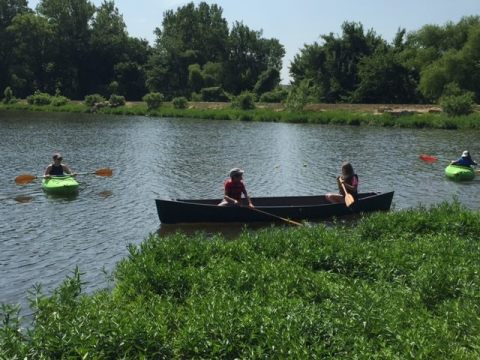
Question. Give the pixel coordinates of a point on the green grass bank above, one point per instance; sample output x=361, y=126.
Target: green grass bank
x=272, y=114
x=403, y=285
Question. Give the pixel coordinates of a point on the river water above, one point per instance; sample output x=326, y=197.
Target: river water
x=43, y=238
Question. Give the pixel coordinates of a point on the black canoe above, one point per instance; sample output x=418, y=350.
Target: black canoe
x=292, y=207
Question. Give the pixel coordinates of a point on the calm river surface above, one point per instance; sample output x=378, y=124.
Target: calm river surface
x=42, y=238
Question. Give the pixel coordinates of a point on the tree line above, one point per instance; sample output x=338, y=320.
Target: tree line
x=74, y=48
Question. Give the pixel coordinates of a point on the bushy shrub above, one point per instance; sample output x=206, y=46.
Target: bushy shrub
x=215, y=93
x=196, y=96
x=456, y=105
x=116, y=100
x=91, y=100
x=154, y=100
x=298, y=96
x=59, y=100
x=8, y=95
x=39, y=98
x=274, y=96
x=244, y=101
x=180, y=102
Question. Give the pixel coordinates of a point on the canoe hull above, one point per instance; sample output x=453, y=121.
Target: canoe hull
x=293, y=207
x=459, y=173
x=60, y=185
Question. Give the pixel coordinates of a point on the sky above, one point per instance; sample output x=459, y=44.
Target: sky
x=300, y=22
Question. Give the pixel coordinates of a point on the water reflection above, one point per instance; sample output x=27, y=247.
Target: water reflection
x=105, y=194
x=23, y=199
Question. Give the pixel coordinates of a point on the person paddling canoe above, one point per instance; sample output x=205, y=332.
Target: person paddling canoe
x=57, y=168
x=348, y=179
x=234, y=188
x=465, y=160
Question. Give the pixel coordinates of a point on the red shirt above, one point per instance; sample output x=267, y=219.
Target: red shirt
x=234, y=189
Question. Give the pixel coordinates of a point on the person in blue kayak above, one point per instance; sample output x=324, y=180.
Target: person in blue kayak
x=57, y=168
x=465, y=160
x=350, y=180
x=234, y=188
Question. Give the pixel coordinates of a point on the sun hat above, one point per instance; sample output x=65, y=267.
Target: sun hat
x=465, y=153
x=236, y=171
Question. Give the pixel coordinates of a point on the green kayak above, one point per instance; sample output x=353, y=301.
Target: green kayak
x=459, y=173
x=63, y=185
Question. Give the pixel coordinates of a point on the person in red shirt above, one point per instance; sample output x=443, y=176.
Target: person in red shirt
x=234, y=188
x=350, y=180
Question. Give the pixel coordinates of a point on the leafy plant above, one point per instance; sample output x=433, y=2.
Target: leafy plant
x=59, y=100
x=180, y=102
x=457, y=105
x=154, y=100
x=8, y=95
x=275, y=96
x=215, y=93
x=244, y=101
x=116, y=100
x=91, y=100
x=39, y=98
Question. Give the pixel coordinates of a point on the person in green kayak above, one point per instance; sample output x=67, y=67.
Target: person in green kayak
x=57, y=168
x=350, y=180
x=234, y=188
x=465, y=160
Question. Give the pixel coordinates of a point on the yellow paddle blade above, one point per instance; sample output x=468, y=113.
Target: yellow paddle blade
x=25, y=179
x=349, y=200
x=104, y=172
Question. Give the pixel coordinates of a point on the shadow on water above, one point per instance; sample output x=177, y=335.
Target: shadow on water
x=62, y=197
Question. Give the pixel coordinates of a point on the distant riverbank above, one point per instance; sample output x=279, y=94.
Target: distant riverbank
x=405, y=116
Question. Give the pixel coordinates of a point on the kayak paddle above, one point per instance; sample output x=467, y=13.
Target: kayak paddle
x=28, y=178
x=428, y=158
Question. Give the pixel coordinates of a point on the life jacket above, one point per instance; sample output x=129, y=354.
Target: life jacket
x=56, y=170
x=352, y=181
x=234, y=189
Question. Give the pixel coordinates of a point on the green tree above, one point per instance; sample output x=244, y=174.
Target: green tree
x=190, y=35
x=384, y=79
x=8, y=10
x=71, y=23
x=333, y=65
x=249, y=56
x=32, y=47
x=267, y=81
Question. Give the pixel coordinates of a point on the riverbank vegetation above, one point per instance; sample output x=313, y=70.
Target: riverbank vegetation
x=395, y=285
x=181, y=108
x=77, y=48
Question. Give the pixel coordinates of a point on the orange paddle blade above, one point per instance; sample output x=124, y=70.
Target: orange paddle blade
x=104, y=172
x=428, y=158
x=25, y=179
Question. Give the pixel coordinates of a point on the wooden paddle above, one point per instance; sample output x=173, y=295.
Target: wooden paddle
x=276, y=216
x=349, y=199
x=28, y=178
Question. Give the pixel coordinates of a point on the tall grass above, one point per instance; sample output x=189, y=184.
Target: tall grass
x=395, y=286
x=337, y=117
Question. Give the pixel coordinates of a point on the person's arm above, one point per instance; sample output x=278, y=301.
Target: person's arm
x=250, y=204
x=349, y=187
x=67, y=170
x=47, y=171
